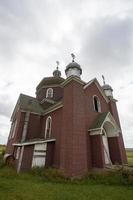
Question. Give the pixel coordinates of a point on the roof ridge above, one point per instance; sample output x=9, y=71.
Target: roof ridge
x=21, y=94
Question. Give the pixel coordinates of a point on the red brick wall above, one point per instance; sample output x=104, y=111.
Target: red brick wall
x=34, y=126
x=27, y=157
x=97, y=151
x=74, y=135
x=56, y=133
x=18, y=132
x=114, y=112
x=50, y=154
x=91, y=114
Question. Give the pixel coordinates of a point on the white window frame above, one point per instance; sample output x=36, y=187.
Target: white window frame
x=18, y=152
x=46, y=127
x=98, y=103
x=49, y=93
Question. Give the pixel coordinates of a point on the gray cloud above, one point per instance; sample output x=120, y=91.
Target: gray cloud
x=6, y=106
x=34, y=34
x=107, y=43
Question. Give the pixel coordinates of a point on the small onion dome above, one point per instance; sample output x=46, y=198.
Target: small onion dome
x=108, y=90
x=73, y=69
x=57, y=72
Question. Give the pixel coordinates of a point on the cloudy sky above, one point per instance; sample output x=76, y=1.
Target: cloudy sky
x=34, y=34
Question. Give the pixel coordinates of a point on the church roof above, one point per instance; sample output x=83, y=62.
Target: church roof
x=98, y=121
x=30, y=103
x=27, y=103
x=50, y=81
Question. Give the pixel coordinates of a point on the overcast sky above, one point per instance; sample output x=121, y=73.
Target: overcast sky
x=36, y=33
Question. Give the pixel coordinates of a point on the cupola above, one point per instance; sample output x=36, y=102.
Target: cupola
x=57, y=73
x=107, y=89
x=73, y=68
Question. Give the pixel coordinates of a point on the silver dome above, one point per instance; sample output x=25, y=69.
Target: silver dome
x=73, y=65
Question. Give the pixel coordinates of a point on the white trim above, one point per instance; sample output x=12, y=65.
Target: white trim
x=33, y=142
x=89, y=83
x=49, y=93
x=47, y=100
x=48, y=121
x=18, y=152
x=25, y=127
x=39, y=155
x=109, y=118
x=96, y=132
x=51, y=110
x=94, y=129
x=20, y=159
x=71, y=78
x=24, y=111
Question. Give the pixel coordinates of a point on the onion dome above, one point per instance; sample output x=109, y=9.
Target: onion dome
x=56, y=79
x=73, y=68
x=56, y=72
x=107, y=88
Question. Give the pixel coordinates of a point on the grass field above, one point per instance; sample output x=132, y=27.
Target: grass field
x=36, y=185
x=130, y=157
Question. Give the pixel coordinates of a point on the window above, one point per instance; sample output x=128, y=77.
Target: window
x=13, y=129
x=48, y=127
x=96, y=103
x=17, y=153
x=49, y=93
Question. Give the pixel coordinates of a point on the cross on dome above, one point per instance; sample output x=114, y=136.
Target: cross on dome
x=103, y=79
x=57, y=62
x=73, y=57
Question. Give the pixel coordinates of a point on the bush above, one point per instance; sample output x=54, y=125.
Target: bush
x=120, y=176
x=48, y=173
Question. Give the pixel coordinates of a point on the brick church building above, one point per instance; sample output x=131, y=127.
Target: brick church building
x=70, y=125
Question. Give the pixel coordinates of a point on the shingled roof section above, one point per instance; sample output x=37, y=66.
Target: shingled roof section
x=98, y=121
x=50, y=81
x=30, y=103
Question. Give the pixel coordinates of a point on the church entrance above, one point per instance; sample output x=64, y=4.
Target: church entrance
x=39, y=155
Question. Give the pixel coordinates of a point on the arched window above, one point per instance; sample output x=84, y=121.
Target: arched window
x=48, y=127
x=49, y=93
x=96, y=103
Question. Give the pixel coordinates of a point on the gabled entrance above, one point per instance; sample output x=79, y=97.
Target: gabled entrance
x=103, y=128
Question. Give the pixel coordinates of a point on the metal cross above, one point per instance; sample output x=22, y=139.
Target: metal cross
x=103, y=79
x=73, y=56
x=57, y=62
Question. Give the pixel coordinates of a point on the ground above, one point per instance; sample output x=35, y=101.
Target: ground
x=37, y=185
x=130, y=157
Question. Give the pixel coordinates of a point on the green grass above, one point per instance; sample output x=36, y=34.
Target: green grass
x=49, y=184
x=130, y=157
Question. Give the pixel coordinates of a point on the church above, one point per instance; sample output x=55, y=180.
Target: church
x=70, y=125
